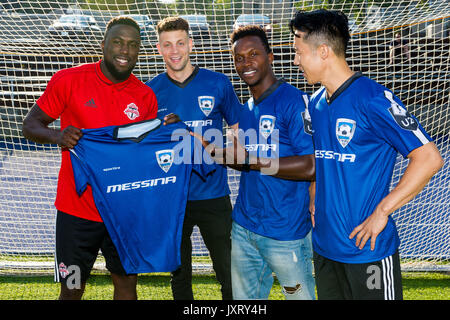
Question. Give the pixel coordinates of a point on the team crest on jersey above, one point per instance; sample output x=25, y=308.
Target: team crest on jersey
x=165, y=159
x=266, y=125
x=401, y=116
x=345, y=129
x=206, y=104
x=132, y=111
x=62, y=269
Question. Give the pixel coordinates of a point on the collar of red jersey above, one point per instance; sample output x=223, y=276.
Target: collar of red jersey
x=103, y=78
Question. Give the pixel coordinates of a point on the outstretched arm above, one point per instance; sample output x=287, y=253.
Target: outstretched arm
x=290, y=168
x=424, y=163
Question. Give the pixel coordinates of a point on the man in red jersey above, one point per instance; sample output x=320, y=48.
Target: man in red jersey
x=90, y=96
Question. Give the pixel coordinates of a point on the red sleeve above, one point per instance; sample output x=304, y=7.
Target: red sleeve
x=153, y=105
x=53, y=100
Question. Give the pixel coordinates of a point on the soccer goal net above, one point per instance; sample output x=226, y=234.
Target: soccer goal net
x=403, y=45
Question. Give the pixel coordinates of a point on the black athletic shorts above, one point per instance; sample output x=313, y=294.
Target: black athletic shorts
x=379, y=280
x=78, y=242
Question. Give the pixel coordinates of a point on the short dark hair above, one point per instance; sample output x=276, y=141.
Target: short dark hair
x=251, y=30
x=330, y=25
x=172, y=24
x=122, y=20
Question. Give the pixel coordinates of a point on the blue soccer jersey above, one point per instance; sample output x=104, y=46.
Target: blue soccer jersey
x=357, y=136
x=139, y=176
x=203, y=101
x=273, y=127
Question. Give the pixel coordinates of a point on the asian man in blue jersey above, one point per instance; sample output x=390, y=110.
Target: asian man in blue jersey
x=358, y=127
x=202, y=99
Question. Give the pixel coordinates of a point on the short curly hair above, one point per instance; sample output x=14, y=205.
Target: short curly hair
x=172, y=24
x=124, y=20
x=251, y=30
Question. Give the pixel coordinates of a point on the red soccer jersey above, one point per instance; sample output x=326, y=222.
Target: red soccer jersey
x=83, y=97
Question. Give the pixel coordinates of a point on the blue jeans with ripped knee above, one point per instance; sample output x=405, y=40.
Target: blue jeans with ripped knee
x=254, y=258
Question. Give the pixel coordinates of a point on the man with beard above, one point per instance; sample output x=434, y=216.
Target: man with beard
x=90, y=96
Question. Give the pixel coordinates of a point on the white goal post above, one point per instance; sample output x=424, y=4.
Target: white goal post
x=32, y=49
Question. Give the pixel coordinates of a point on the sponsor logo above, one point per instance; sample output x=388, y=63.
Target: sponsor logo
x=345, y=129
x=165, y=159
x=132, y=111
x=90, y=104
x=261, y=147
x=140, y=184
x=198, y=123
x=206, y=104
x=331, y=155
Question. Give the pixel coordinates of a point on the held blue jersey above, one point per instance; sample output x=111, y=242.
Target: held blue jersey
x=139, y=176
x=203, y=102
x=273, y=127
x=357, y=136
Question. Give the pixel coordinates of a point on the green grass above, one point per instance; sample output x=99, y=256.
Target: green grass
x=416, y=286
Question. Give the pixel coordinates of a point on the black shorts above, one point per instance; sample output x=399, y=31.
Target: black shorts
x=78, y=242
x=379, y=280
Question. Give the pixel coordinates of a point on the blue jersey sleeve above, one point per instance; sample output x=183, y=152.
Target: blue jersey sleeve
x=300, y=138
x=394, y=124
x=231, y=105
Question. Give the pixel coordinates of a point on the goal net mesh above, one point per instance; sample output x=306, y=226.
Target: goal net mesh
x=33, y=48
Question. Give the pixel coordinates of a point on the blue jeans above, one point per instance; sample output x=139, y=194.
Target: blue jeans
x=254, y=258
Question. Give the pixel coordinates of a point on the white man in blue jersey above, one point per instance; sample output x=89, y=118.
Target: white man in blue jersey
x=202, y=99
x=358, y=127
x=271, y=222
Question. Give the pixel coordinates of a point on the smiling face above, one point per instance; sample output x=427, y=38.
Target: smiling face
x=175, y=47
x=307, y=58
x=120, y=52
x=252, y=61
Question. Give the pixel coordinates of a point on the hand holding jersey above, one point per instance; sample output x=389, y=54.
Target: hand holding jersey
x=69, y=137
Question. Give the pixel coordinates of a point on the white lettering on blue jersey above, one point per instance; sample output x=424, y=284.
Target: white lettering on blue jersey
x=140, y=184
x=332, y=155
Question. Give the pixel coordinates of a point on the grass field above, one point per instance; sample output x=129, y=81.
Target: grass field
x=416, y=286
